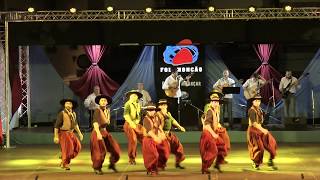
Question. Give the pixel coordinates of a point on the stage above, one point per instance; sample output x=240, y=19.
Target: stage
x=294, y=160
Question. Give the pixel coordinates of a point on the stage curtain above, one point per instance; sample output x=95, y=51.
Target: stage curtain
x=270, y=92
x=94, y=75
x=142, y=71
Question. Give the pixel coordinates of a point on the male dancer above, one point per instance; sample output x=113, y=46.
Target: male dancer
x=101, y=140
x=167, y=121
x=133, y=130
x=259, y=138
x=212, y=146
x=65, y=124
x=155, y=147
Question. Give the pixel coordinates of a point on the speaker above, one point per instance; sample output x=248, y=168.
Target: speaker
x=295, y=123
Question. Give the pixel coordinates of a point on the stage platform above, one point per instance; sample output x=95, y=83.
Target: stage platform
x=44, y=135
x=40, y=162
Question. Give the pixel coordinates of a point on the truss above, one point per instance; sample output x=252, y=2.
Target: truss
x=165, y=15
x=24, y=73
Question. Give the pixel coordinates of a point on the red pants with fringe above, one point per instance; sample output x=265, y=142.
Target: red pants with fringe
x=257, y=142
x=211, y=149
x=99, y=148
x=133, y=136
x=70, y=146
x=176, y=147
x=155, y=155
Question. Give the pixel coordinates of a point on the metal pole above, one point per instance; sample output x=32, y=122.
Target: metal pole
x=7, y=82
x=28, y=86
x=312, y=98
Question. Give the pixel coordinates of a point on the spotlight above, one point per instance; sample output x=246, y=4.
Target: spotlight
x=73, y=10
x=148, y=10
x=252, y=9
x=109, y=8
x=211, y=8
x=287, y=8
x=30, y=9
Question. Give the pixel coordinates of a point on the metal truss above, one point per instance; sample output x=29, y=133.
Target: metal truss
x=24, y=72
x=165, y=15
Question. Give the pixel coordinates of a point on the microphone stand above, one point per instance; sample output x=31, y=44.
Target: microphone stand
x=195, y=107
x=312, y=99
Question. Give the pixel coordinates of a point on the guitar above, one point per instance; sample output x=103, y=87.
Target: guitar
x=285, y=92
x=252, y=92
x=172, y=91
x=220, y=87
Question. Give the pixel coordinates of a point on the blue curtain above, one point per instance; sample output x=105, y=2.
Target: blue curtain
x=214, y=67
x=304, y=94
x=142, y=71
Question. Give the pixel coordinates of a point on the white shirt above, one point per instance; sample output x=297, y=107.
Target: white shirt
x=90, y=103
x=253, y=84
x=170, y=81
x=284, y=83
x=145, y=98
x=223, y=82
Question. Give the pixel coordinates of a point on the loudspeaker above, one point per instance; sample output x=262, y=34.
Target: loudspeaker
x=295, y=123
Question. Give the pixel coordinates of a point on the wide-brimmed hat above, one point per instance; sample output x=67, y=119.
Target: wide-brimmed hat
x=133, y=92
x=151, y=107
x=162, y=101
x=97, y=99
x=215, y=97
x=74, y=103
x=256, y=97
x=215, y=92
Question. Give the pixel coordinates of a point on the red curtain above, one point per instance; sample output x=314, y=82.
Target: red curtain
x=94, y=75
x=270, y=91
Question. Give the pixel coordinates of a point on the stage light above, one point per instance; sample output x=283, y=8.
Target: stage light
x=109, y=8
x=287, y=8
x=252, y=9
x=211, y=8
x=148, y=10
x=30, y=9
x=73, y=10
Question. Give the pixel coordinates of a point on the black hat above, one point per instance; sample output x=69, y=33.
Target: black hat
x=133, y=92
x=97, y=99
x=151, y=107
x=162, y=101
x=215, y=92
x=74, y=103
x=256, y=97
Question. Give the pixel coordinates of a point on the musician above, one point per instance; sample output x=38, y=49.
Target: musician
x=225, y=81
x=146, y=98
x=259, y=138
x=253, y=86
x=90, y=104
x=174, y=81
x=288, y=86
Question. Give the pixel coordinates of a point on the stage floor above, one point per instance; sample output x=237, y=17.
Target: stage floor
x=30, y=162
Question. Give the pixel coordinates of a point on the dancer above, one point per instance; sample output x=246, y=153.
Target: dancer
x=212, y=146
x=133, y=130
x=259, y=138
x=101, y=140
x=167, y=121
x=155, y=147
x=65, y=124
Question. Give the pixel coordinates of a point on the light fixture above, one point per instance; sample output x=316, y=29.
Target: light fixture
x=73, y=10
x=30, y=9
x=109, y=8
x=211, y=8
x=148, y=9
x=252, y=9
x=287, y=8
